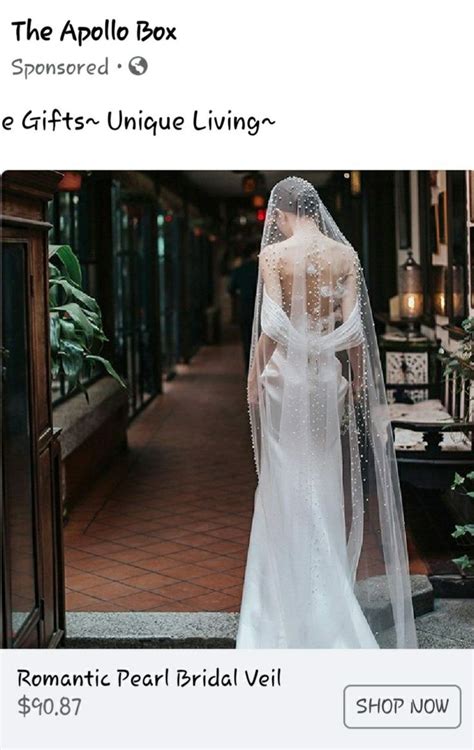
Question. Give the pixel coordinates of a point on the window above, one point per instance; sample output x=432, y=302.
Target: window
x=457, y=222
x=71, y=225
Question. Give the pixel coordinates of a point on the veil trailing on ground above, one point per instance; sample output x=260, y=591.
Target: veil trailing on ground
x=327, y=565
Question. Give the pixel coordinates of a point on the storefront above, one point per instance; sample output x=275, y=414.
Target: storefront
x=31, y=518
x=426, y=349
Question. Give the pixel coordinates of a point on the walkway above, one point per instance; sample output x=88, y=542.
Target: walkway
x=166, y=528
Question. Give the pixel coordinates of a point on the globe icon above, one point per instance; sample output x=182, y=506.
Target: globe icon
x=138, y=66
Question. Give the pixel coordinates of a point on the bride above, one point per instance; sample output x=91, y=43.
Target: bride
x=327, y=563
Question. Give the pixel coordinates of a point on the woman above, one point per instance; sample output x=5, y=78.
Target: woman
x=327, y=564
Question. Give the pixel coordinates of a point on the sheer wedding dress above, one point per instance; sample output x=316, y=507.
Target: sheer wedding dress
x=327, y=563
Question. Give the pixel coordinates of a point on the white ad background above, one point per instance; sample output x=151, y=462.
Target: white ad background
x=305, y=712
x=351, y=85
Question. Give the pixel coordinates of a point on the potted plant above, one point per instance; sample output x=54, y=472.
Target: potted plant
x=76, y=331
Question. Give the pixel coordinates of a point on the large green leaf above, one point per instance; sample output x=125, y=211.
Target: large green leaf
x=108, y=367
x=69, y=261
x=77, y=335
x=77, y=315
x=464, y=562
x=70, y=332
x=94, y=317
x=72, y=292
x=53, y=271
x=458, y=479
x=54, y=331
x=68, y=329
x=72, y=359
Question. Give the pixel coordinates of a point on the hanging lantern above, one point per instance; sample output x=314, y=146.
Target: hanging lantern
x=439, y=290
x=410, y=291
x=355, y=183
x=249, y=184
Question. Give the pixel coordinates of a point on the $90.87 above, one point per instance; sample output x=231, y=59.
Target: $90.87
x=63, y=706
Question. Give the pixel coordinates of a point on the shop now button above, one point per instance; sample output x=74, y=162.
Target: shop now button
x=402, y=706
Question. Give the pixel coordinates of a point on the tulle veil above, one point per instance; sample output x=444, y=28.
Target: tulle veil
x=327, y=564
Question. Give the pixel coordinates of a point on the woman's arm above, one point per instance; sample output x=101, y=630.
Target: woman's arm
x=265, y=345
x=349, y=301
x=263, y=351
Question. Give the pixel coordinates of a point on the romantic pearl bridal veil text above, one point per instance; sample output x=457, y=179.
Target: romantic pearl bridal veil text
x=327, y=564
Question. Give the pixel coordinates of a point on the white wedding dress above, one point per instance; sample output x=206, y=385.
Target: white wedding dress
x=327, y=564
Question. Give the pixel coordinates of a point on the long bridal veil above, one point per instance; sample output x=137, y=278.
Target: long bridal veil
x=327, y=564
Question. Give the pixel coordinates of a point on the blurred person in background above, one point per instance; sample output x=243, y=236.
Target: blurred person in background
x=242, y=287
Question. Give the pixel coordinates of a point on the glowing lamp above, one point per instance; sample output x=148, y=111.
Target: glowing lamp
x=355, y=183
x=258, y=201
x=410, y=292
x=458, y=292
x=71, y=181
x=439, y=290
x=261, y=213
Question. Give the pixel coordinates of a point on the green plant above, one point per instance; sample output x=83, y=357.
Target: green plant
x=76, y=332
x=461, y=362
x=460, y=485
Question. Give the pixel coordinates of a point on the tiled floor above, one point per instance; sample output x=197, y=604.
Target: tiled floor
x=166, y=528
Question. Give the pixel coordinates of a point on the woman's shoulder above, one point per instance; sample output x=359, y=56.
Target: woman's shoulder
x=273, y=252
x=274, y=247
x=346, y=255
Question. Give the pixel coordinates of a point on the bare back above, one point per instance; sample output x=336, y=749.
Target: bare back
x=317, y=272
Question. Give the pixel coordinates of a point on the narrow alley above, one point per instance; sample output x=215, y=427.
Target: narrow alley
x=149, y=488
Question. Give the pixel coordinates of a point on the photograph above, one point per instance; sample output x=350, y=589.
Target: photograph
x=237, y=409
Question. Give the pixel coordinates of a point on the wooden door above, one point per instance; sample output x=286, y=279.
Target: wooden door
x=32, y=560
